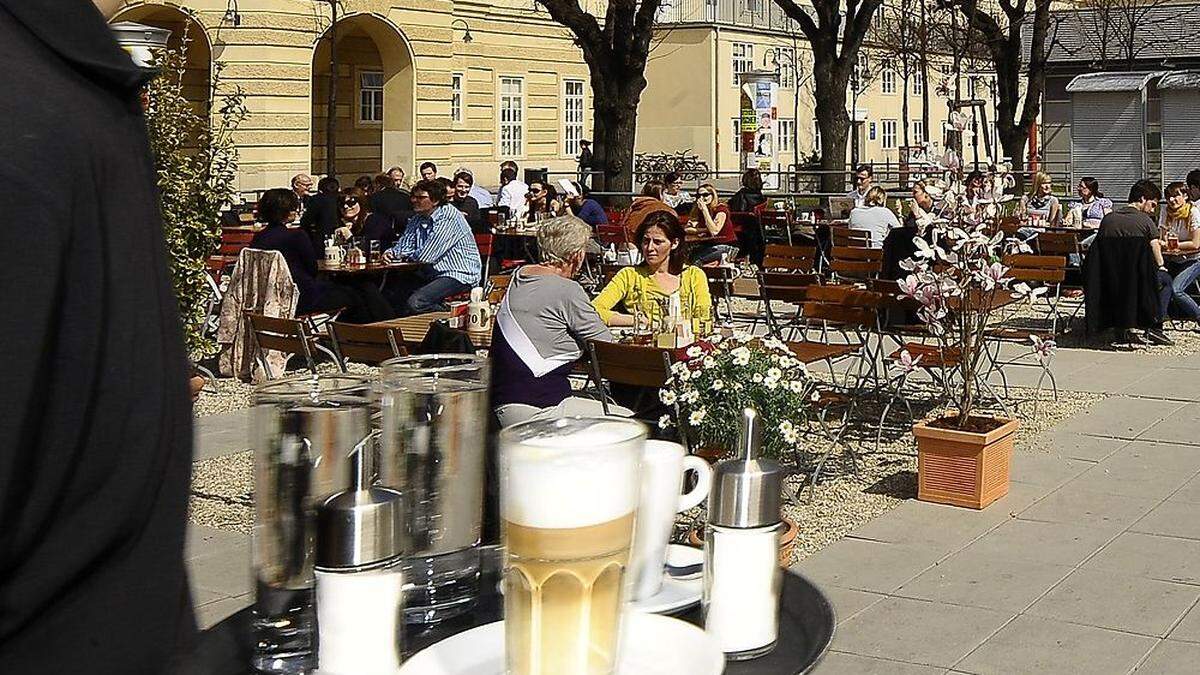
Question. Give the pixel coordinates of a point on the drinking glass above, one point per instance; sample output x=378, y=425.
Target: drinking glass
x=376, y=251
x=569, y=492
x=305, y=430
x=434, y=412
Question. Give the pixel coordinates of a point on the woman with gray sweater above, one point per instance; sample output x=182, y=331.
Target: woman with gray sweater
x=874, y=217
x=542, y=329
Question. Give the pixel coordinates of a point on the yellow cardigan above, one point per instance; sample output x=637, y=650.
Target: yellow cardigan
x=633, y=285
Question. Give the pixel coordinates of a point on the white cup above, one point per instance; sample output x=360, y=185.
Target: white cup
x=664, y=465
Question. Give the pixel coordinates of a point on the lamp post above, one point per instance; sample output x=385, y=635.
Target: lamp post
x=778, y=58
x=142, y=42
x=860, y=79
x=466, y=30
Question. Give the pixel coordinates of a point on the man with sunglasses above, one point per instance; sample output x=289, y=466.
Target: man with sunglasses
x=437, y=235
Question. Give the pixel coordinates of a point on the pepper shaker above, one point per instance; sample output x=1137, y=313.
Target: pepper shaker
x=742, y=576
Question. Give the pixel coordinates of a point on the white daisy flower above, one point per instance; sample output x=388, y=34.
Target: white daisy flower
x=664, y=422
x=667, y=396
x=697, y=417
x=718, y=385
x=694, y=351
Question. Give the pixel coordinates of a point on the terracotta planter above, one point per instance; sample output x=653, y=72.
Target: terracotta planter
x=963, y=468
x=787, y=541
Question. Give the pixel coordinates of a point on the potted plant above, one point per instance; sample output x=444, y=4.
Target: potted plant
x=715, y=380
x=963, y=456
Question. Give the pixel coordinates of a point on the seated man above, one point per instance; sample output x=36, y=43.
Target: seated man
x=439, y=236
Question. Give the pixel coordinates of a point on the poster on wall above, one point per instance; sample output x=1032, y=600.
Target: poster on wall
x=759, y=113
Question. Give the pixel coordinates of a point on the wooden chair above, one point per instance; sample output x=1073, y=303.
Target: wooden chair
x=842, y=235
x=1043, y=270
x=720, y=287
x=776, y=225
x=497, y=287
x=290, y=336
x=856, y=262
x=611, y=234
x=785, y=287
x=630, y=365
x=781, y=258
x=365, y=344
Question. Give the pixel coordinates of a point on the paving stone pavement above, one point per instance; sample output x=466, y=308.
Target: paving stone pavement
x=1090, y=565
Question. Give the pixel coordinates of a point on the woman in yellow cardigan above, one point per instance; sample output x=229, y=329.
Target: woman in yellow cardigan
x=661, y=240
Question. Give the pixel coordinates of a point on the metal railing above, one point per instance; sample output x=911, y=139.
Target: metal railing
x=747, y=13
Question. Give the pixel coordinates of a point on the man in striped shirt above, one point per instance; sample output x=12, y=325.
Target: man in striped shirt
x=439, y=236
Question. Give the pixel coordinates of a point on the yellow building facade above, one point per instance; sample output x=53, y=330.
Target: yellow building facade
x=692, y=100
x=410, y=87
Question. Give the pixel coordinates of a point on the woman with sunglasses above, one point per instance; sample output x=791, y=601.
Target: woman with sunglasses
x=542, y=199
x=359, y=222
x=710, y=218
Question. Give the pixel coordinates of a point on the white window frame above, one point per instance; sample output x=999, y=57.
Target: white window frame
x=574, y=118
x=885, y=133
x=887, y=81
x=457, y=97
x=377, y=104
x=787, y=67
x=917, y=83
x=785, y=132
x=742, y=59
x=918, y=132
x=516, y=125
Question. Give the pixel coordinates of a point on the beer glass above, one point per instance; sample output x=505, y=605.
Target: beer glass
x=568, y=493
x=305, y=429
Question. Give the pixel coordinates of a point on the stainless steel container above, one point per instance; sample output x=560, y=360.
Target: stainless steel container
x=434, y=423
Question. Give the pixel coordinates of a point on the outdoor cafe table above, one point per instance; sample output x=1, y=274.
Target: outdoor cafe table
x=368, y=268
x=415, y=327
x=806, y=622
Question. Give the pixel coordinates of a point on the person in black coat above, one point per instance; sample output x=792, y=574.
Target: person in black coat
x=751, y=193
x=394, y=201
x=463, y=201
x=322, y=215
x=95, y=418
x=359, y=296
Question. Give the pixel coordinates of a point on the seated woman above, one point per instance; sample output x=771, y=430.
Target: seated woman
x=361, y=299
x=662, y=274
x=358, y=222
x=1093, y=205
x=710, y=218
x=1180, y=245
x=650, y=201
x=1040, y=204
x=543, y=202
x=542, y=329
x=898, y=243
x=751, y=193
x=874, y=217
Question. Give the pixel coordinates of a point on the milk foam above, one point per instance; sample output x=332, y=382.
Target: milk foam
x=576, y=479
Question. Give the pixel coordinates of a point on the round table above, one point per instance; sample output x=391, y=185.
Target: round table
x=806, y=622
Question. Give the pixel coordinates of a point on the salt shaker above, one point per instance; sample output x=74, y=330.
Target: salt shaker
x=361, y=543
x=742, y=576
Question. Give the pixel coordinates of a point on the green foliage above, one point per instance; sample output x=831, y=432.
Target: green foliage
x=717, y=380
x=196, y=164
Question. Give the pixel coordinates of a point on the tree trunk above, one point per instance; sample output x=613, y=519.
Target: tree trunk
x=833, y=122
x=615, y=127
x=1013, y=140
x=904, y=109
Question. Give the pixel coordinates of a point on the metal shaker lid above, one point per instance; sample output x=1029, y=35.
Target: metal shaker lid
x=361, y=528
x=747, y=491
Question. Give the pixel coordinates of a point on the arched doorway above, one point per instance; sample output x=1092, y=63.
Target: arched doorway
x=375, y=94
x=187, y=35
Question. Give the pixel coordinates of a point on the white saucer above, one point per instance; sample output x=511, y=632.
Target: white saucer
x=676, y=594
x=654, y=645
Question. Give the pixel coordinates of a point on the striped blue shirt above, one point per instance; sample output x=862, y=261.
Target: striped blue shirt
x=444, y=241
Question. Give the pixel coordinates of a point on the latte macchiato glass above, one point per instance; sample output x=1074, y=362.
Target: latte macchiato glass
x=569, y=493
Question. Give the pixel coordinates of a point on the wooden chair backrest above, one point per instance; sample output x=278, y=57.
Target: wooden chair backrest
x=842, y=235
x=1057, y=243
x=774, y=218
x=856, y=261
x=608, y=271
x=844, y=304
x=789, y=258
x=630, y=364
x=234, y=240
x=367, y=344
x=786, y=287
x=720, y=282
x=283, y=335
x=1045, y=268
x=610, y=234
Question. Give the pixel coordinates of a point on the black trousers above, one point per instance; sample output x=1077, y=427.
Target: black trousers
x=361, y=299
